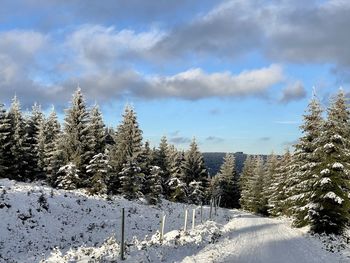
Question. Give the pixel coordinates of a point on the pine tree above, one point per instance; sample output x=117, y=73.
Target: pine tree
x=257, y=202
x=75, y=143
x=97, y=131
x=194, y=170
x=278, y=188
x=246, y=181
x=302, y=169
x=177, y=187
x=33, y=153
x=68, y=177
x=128, y=148
x=155, y=186
x=130, y=180
x=49, y=135
x=227, y=181
x=329, y=206
x=161, y=159
x=269, y=176
x=197, y=193
x=4, y=142
x=98, y=170
x=18, y=148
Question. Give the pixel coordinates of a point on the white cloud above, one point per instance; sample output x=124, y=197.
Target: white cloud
x=196, y=84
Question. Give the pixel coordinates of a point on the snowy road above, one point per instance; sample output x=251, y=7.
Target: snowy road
x=248, y=238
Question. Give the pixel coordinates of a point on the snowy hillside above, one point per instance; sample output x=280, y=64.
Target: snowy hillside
x=41, y=223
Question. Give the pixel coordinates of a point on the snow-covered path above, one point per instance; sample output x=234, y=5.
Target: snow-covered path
x=248, y=238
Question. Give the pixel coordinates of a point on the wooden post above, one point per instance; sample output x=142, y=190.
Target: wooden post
x=193, y=218
x=201, y=213
x=214, y=205
x=162, y=225
x=122, y=247
x=211, y=207
x=185, y=225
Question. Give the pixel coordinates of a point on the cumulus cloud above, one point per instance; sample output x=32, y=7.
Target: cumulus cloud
x=98, y=46
x=293, y=92
x=195, y=83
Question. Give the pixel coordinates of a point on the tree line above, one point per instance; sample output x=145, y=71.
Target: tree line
x=83, y=153
x=311, y=184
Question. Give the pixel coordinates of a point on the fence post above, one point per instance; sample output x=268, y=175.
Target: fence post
x=215, y=203
x=162, y=225
x=185, y=225
x=211, y=207
x=122, y=247
x=193, y=217
x=201, y=213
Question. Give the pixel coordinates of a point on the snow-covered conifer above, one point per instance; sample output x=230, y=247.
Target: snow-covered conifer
x=329, y=207
x=5, y=142
x=246, y=181
x=130, y=180
x=194, y=170
x=301, y=174
x=176, y=184
x=18, y=147
x=33, y=123
x=277, y=197
x=75, y=143
x=227, y=183
x=161, y=159
x=98, y=171
x=68, y=177
x=155, y=186
x=127, y=149
x=197, y=193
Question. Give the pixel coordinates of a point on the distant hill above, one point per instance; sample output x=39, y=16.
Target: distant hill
x=213, y=161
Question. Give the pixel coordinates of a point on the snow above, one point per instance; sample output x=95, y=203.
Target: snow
x=324, y=181
x=337, y=166
x=333, y=196
x=75, y=227
x=328, y=146
x=325, y=171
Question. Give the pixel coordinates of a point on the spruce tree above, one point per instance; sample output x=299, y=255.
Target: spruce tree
x=97, y=131
x=155, y=186
x=75, y=143
x=246, y=182
x=304, y=163
x=126, y=152
x=49, y=135
x=278, y=187
x=130, y=180
x=68, y=177
x=228, y=183
x=177, y=186
x=269, y=177
x=98, y=171
x=194, y=171
x=33, y=152
x=5, y=142
x=257, y=202
x=329, y=206
x=161, y=159
x=17, y=152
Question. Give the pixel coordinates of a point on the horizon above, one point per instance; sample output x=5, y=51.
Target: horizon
x=237, y=75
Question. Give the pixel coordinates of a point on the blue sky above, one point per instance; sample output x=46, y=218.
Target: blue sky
x=236, y=74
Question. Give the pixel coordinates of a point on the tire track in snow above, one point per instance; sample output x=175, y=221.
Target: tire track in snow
x=252, y=239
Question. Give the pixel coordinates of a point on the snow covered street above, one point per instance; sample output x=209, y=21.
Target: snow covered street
x=249, y=238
